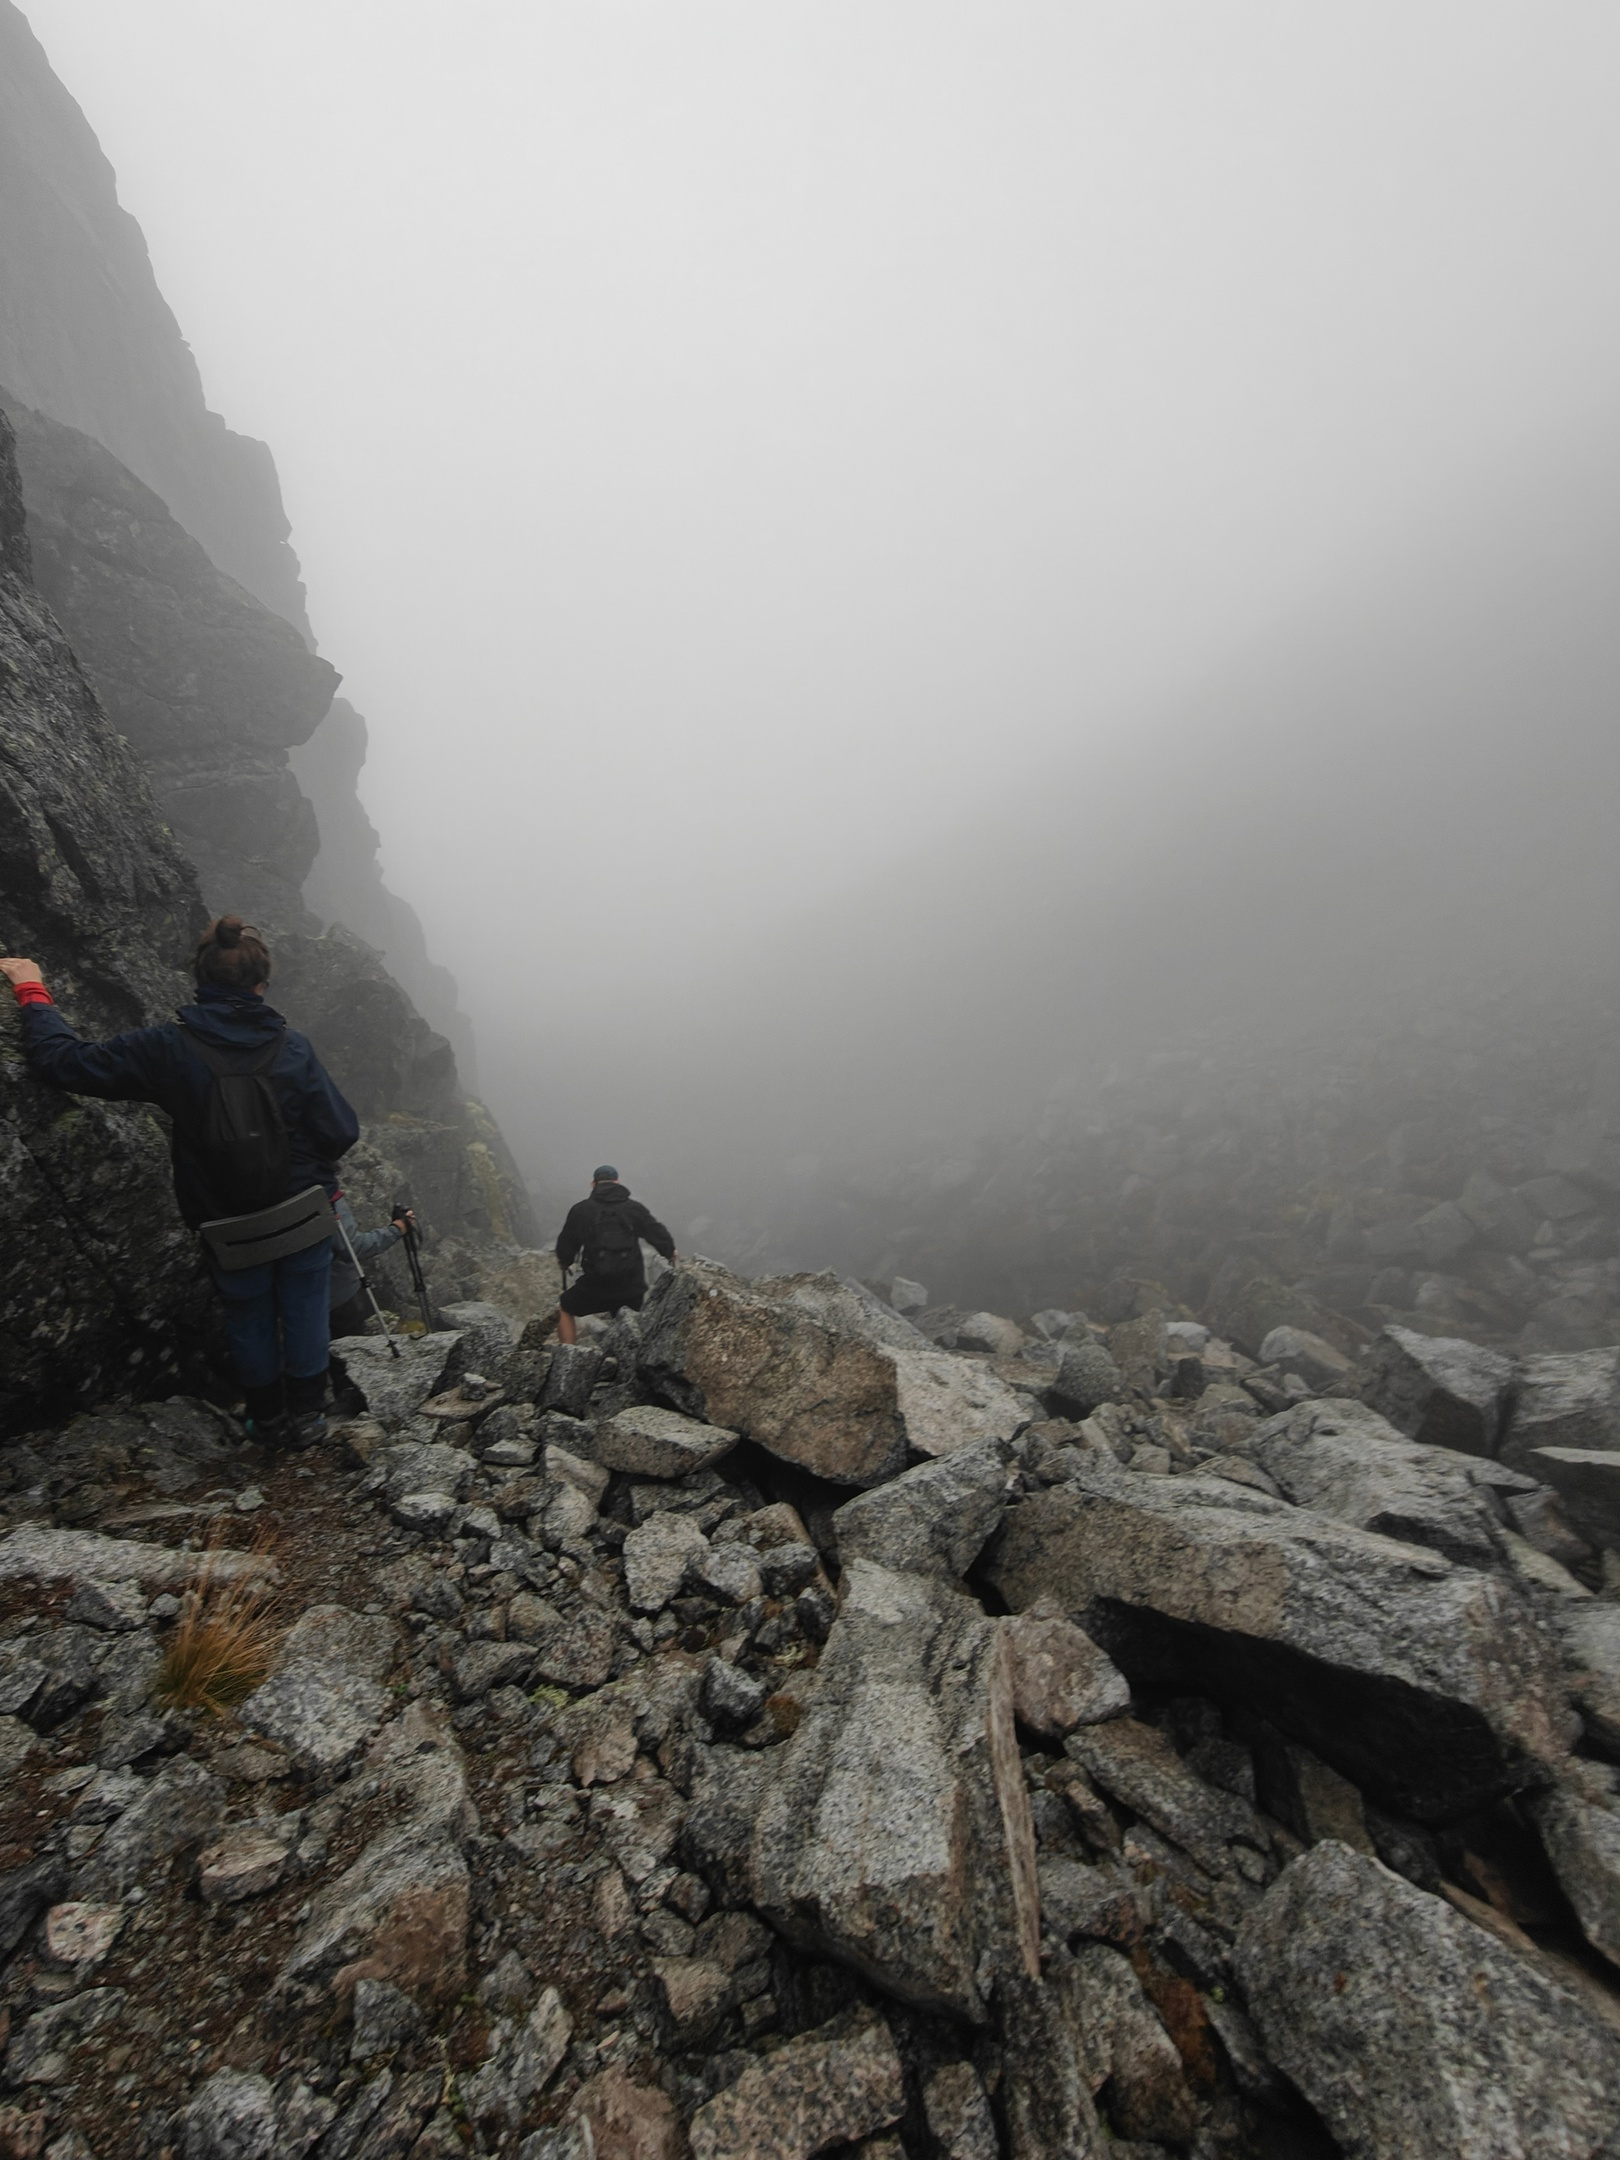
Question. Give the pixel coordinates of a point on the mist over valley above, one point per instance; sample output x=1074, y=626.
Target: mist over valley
x=809, y=1081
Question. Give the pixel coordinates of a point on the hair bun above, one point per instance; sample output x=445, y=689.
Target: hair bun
x=232, y=954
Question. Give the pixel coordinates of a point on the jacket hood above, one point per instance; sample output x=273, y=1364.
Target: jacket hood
x=234, y=1019
x=610, y=1195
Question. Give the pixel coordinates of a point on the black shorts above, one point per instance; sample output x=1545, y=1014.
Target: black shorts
x=604, y=1293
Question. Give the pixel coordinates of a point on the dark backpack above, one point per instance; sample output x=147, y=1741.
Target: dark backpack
x=611, y=1244
x=246, y=1156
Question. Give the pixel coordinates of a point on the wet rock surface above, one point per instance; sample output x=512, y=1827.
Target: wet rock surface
x=95, y=888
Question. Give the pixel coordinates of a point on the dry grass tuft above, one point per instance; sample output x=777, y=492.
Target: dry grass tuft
x=223, y=1644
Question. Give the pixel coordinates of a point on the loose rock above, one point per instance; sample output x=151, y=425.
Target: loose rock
x=894, y=1832
x=1345, y=1460
x=245, y=1863
x=829, y=2087
x=933, y=1519
x=1411, y=2031
x=648, y=1441
x=1587, y=1481
x=325, y=1699
x=657, y=1557
x=1060, y=1677
x=1427, y=1684
x=1439, y=1390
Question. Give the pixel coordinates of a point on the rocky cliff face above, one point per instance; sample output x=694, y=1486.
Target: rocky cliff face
x=86, y=336
x=208, y=686
x=345, y=884
x=87, y=339
x=158, y=543
x=97, y=1274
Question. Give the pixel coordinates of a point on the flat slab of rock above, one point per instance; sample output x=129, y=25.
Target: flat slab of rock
x=949, y=1402
x=894, y=1833
x=400, y=1912
x=649, y=1441
x=1438, y=1389
x=944, y=1402
x=1411, y=2031
x=1587, y=1480
x=1345, y=1460
x=817, y=1371
x=1431, y=1686
x=325, y=1698
x=1568, y=1399
x=828, y=2087
x=423, y=1466
x=844, y=1305
x=932, y=1520
x=724, y=1351
x=395, y=1388
x=623, y=2121
x=38, y=1552
x=1137, y=1764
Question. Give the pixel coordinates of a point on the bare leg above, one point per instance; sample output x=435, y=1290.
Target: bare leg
x=566, y=1330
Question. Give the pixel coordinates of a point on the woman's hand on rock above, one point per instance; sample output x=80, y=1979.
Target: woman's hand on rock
x=18, y=972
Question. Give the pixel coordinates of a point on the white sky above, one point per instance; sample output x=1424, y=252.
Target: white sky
x=790, y=425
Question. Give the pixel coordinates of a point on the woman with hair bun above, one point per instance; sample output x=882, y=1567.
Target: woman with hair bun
x=276, y=1313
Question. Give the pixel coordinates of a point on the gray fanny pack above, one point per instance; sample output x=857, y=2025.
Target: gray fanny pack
x=274, y=1233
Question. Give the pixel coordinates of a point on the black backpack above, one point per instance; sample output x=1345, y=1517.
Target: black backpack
x=611, y=1244
x=246, y=1156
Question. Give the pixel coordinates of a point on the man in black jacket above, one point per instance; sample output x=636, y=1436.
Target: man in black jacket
x=606, y=1231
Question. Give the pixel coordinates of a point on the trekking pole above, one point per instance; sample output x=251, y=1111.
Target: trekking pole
x=401, y=1211
x=365, y=1284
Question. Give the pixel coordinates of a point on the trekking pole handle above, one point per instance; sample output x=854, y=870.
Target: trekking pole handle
x=405, y=1217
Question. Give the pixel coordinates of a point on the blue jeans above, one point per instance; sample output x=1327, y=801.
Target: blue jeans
x=275, y=1316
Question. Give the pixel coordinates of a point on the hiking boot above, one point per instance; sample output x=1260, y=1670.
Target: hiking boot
x=306, y=1430
x=268, y=1431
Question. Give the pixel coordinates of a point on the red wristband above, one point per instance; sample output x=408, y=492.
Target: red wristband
x=32, y=994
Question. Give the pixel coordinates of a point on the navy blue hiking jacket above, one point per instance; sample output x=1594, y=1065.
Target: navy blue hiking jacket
x=154, y=1065
x=575, y=1236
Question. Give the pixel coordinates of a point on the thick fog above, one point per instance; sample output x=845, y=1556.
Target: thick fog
x=890, y=550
